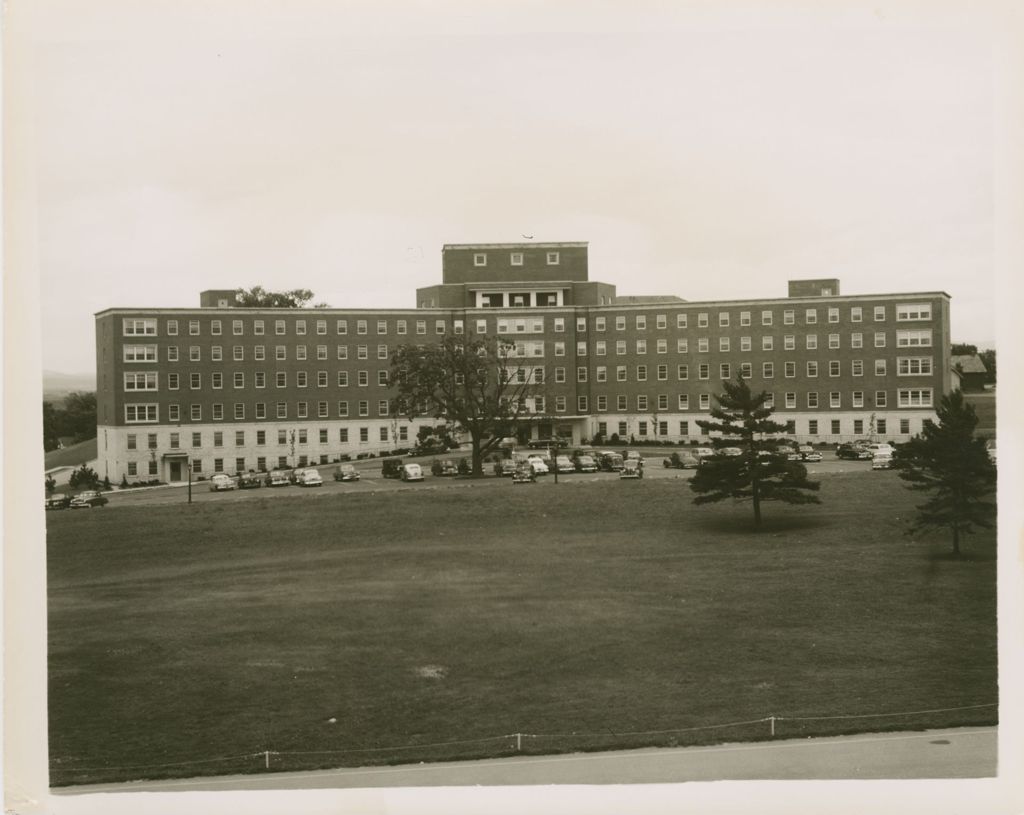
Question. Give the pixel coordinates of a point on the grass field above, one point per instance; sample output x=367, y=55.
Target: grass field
x=591, y=610
x=985, y=407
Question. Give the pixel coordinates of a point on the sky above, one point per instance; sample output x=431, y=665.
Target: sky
x=701, y=151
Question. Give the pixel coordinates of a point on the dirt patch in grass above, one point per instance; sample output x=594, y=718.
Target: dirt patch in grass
x=604, y=614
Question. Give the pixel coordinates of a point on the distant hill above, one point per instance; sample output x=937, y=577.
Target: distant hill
x=73, y=456
x=57, y=385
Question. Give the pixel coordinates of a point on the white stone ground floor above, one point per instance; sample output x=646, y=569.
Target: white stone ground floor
x=163, y=452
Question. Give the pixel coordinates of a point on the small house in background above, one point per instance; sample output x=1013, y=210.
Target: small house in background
x=971, y=371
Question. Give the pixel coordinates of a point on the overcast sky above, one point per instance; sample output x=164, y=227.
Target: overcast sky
x=336, y=147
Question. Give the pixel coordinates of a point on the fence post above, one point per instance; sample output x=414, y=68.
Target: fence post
x=772, y=720
x=266, y=759
x=519, y=742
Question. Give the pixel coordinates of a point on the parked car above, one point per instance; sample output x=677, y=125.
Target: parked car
x=392, y=467
x=632, y=455
x=540, y=466
x=249, y=481
x=703, y=452
x=881, y=461
x=562, y=442
x=346, y=472
x=411, y=472
x=681, y=461
x=853, y=451
x=585, y=464
x=447, y=468
x=609, y=461
x=880, y=447
x=564, y=464
x=731, y=451
x=310, y=477
x=632, y=468
x=88, y=500
x=506, y=466
x=222, y=482
x=805, y=452
x=58, y=502
x=277, y=478
x=523, y=473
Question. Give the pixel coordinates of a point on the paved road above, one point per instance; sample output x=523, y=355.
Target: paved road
x=954, y=753
x=371, y=481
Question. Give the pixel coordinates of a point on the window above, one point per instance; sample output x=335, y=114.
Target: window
x=302, y=412
x=216, y=353
x=382, y=352
x=300, y=352
x=581, y=349
x=343, y=412
x=140, y=414
x=879, y=367
x=239, y=379
x=682, y=345
x=195, y=381
x=341, y=327
x=133, y=468
x=833, y=340
x=811, y=316
x=641, y=402
x=215, y=328
x=857, y=367
x=857, y=340
x=279, y=327
x=401, y=327
x=812, y=342
x=681, y=321
x=193, y=353
x=142, y=381
x=642, y=425
x=833, y=367
x=858, y=399
x=683, y=372
x=723, y=319
x=833, y=315
x=552, y=258
x=790, y=399
x=835, y=427
x=383, y=410
x=641, y=373
x=684, y=403
x=582, y=405
x=702, y=319
x=789, y=369
x=559, y=349
x=599, y=323
x=767, y=342
x=239, y=410
x=516, y=258
x=139, y=328
x=600, y=348
x=172, y=328
x=812, y=427
x=321, y=352
x=879, y=313
x=914, y=397
x=621, y=404
x=362, y=378
x=581, y=374
x=261, y=410
x=914, y=339
x=724, y=371
x=321, y=379
x=704, y=401
x=218, y=465
x=458, y=327
x=663, y=373
x=789, y=342
x=260, y=379
x=620, y=347
x=195, y=412
x=723, y=343
x=131, y=441
x=812, y=368
x=360, y=326
x=602, y=404
x=147, y=353
x=560, y=404
x=620, y=323
x=879, y=339
x=856, y=314
x=905, y=427
x=322, y=413
x=218, y=411
x=438, y=326
x=766, y=318
x=812, y=399
x=280, y=352
x=746, y=370
x=559, y=374
x=913, y=311
x=913, y=366
x=881, y=426
x=602, y=373
x=662, y=346
x=702, y=345
x=834, y=399
x=421, y=326
x=661, y=321
x=641, y=346
x=479, y=259
x=703, y=371
x=362, y=352
x=767, y=370
x=282, y=379
x=788, y=317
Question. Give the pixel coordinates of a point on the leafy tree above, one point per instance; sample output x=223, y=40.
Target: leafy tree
x=80, y=415
x=51, y=484
x=51, y=427
x=949, y=462
x=258, y=297
x=85, y=478
x=964, y=349
x=760, y=473
x=472, y=382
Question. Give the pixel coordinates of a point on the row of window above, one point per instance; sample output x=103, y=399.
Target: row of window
x=147, y=326
x=516, y=258
x=906, y=398
x=530, y=348
x=815, y=427
x=284, y=437
x=905, y=366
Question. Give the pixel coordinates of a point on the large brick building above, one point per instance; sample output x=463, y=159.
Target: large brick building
x=227, y=388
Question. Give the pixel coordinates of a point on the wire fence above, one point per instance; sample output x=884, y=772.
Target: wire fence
x=64, y=771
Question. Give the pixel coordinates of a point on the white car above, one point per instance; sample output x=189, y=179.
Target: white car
x=702, y=452
x=411, y=472
x=540, y=467
x=881, y=461
x=880, y=447
x=309, y=478
x=221, y=483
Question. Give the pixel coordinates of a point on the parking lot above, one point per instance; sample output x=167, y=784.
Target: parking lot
x=371, y=480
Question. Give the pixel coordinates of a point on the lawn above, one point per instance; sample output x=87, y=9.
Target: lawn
x=370, y=628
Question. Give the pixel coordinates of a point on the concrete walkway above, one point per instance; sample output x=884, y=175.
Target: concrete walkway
x=954, y=753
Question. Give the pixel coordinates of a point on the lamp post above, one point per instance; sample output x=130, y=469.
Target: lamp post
x=188, y=466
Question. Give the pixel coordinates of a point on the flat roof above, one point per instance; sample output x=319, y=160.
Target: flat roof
x=523, y=244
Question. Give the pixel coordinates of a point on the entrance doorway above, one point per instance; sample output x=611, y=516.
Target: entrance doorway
x=175, y=471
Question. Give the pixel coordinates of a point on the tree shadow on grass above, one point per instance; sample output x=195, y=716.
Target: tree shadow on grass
x=743, y=523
